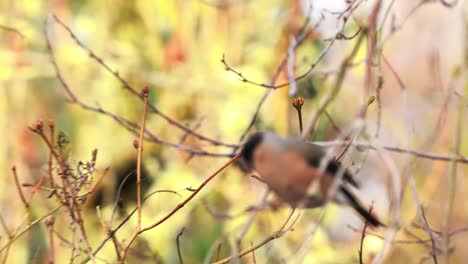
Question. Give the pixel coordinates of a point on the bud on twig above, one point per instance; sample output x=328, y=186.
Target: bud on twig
x=136, y=144
x=37, y=128
x=298, y=102
x=145, y=91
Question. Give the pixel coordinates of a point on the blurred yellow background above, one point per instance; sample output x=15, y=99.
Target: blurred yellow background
x=175, y=47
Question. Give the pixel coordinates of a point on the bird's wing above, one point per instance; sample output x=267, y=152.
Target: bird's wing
x=314, y=154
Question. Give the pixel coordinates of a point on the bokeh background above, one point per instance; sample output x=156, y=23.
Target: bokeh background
x=175, y=47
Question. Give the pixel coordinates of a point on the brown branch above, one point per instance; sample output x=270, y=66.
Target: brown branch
x=178, y=207
x=448, y=4
x=363, y=235
x=248, y=223
x=302, y=34
x=35, y=188
x=178, y=245
x=277, y=86
x=454, y=232
x=277, y=234
x=378, y=98
x=431, y=236
x=68, y=196
x=371, y=50
x=50, y=162
x=145, y=93
x=253, y=253
x=111, y=233
x=218, y=252
x=10, y=236
x=18, y=187
x=12, y=29
x=420, y=154
x=128, y=87
x=336, y=86
x=452, y=177
x=127, y=124
x=28, y=227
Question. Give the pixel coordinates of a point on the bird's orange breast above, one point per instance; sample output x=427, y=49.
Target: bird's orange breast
x=288, y=174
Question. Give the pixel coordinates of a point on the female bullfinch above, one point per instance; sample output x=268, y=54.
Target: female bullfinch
x=291, y=168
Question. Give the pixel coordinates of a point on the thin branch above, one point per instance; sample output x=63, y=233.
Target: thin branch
x=248, y=223
x=277, y=234
x=452, y=177
x=139, y=147
x=12, y=29
x=35, y=188
x=129, y=88
x=127, y=124
x=218, y=252
x=51, y=157
x=178, y=245
x=28, y=227
x=18, y=187
x=448, y=4
x=363, y=235
x=179, y=206
x=420, y=154
x=336, y=86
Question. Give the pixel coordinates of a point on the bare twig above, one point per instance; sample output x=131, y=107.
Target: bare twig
x=35, y=188
x=277, y=234
x=127, y=124
x=301, y=36
x=363, y=236
x=126, y=86
x=110, y=233
x=139, y=146
x=218, y=251
x=28, y=227
x=448, y=4
x=12, y=29
x=247, y=224
x=452, y=178
x=178, y=207
x=51, y=157
x=18, y=187
x=420, y=154
x=335, y=88
x=409, y=177
x=178, y=245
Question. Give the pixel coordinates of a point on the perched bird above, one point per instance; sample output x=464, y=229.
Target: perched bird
x=291, y=168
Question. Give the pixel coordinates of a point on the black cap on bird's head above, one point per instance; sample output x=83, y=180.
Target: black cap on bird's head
x=249, y=148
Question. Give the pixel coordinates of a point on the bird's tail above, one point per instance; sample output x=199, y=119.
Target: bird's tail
x=357, y=205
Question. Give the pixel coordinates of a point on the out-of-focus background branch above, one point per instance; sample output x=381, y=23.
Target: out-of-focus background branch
x=383, y=86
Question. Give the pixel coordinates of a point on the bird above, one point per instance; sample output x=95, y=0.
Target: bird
x=291, y=168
